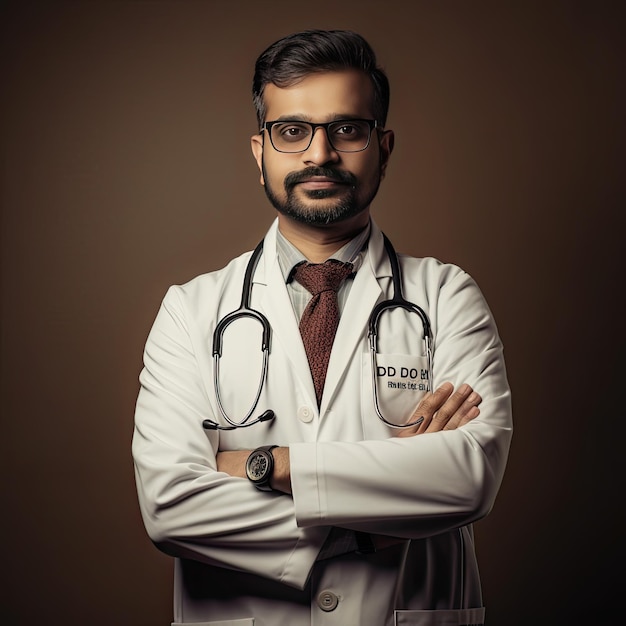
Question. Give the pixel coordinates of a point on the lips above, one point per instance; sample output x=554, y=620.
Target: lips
x=321, y=180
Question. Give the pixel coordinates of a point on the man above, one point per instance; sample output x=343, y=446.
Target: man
x=340, y=517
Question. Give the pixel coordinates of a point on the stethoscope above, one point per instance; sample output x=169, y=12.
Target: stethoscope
x=245, y=310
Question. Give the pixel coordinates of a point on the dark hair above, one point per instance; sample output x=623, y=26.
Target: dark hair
x=294, y=57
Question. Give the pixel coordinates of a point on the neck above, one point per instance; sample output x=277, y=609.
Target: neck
x=316, y=242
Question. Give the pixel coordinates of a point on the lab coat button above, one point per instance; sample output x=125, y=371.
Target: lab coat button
x=327, y=601
x=305, y=414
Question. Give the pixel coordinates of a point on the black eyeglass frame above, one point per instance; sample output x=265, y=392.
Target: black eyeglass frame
x=372, y=124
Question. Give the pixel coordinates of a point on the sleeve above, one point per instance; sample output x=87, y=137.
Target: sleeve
x=190, y=509
x=427, y=484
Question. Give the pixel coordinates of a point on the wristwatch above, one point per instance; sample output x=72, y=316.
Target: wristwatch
x=260, y=467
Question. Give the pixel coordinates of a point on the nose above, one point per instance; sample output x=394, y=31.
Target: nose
x=320, y=151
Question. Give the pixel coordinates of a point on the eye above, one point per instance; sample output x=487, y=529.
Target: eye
x=349, y=131
x=346, y=129
x=291, y=132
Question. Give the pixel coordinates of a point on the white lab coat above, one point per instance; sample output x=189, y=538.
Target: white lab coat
x=245, y=557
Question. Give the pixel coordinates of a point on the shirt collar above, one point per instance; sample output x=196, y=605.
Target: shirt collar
x=289, y=256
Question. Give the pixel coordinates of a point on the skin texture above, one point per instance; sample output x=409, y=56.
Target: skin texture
x=322, y=213
x=323, y=97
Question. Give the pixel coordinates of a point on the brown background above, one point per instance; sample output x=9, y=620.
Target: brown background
x=126, y=168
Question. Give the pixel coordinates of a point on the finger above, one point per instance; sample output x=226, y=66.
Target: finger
x=471, y=414
x=426, y=409
x=449, y=410
x=466, y=412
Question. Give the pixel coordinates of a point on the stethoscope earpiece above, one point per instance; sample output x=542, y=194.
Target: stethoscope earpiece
x=267, y=416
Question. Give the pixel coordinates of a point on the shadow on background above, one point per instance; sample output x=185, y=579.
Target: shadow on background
x=126, y=168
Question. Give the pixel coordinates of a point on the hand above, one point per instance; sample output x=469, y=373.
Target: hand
x=441, y=410
x=444, y=409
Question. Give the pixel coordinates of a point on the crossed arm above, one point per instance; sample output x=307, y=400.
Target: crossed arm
x=444, y=409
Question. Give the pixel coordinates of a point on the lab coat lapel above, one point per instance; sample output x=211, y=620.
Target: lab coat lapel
x=353, y=324
x=278, y=309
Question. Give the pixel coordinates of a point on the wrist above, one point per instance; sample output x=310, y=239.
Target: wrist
x=281, y=477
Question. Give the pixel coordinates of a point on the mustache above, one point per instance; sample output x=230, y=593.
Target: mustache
x=293, y=178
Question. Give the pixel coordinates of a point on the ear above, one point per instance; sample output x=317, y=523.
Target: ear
x=256, y=143
x=386, y=148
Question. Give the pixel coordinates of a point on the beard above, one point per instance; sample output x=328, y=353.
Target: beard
x=326, y=206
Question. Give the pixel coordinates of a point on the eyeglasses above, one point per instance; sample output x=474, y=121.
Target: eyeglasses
x=343, y=135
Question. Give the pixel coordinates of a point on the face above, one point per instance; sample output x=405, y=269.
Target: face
x=322, y=186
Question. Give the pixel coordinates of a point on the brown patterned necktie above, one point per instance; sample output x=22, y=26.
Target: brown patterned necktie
x=321, y=317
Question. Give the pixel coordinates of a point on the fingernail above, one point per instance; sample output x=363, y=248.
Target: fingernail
x=464, y=389
x=473, y=397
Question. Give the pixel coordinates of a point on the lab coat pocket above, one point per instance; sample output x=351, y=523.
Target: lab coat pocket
x=448, y=617
x=400, y=380
x=228, y=622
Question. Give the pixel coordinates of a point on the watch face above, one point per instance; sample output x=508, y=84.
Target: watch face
x=258, y=466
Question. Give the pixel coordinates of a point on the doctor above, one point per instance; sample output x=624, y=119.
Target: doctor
x=323, y=515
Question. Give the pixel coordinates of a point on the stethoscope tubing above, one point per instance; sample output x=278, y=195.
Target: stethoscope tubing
x=397, y=301
x=245, y=310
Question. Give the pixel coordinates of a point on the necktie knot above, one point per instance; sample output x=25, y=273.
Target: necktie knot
x=319, y=277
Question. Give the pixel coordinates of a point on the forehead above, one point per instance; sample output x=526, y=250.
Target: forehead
x=321, y=97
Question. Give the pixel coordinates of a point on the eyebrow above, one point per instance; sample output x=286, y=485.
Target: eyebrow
x=300, y=117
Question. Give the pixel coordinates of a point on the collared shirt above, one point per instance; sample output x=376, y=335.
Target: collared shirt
x=289, y=256
x=340, y=540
